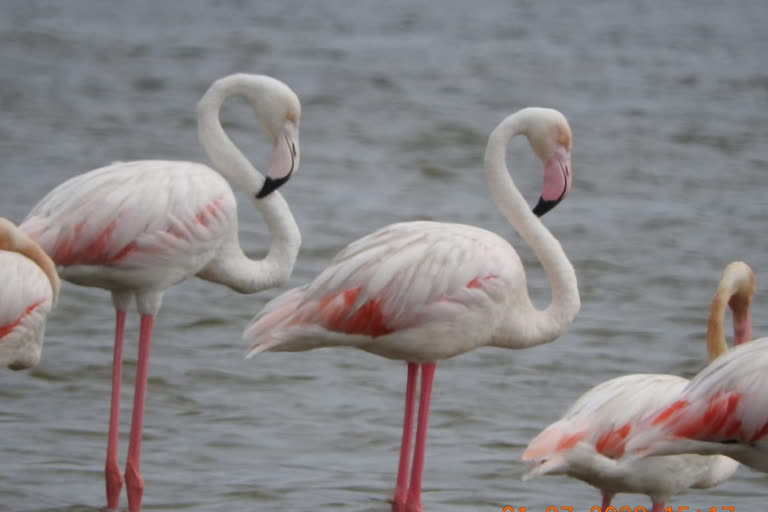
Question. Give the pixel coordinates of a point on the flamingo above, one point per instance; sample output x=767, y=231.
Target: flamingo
x=137, y=228
x=585, y=443
x=723, y=410
x=30, y=291
x=424, y=291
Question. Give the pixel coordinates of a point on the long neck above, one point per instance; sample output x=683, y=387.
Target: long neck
x=226, y=157
x=739, y=299
x=233, y=268
x=540, y=326
x=716, y=343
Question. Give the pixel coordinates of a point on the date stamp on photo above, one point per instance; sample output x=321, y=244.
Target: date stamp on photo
x=611, y=508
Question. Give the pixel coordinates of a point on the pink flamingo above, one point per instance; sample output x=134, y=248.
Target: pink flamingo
x=423, y=291
x=138, y=228
x=30, y=290
x=585, y=443
x=723, y=410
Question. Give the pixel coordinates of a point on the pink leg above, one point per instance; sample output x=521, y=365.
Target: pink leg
x=401, y=489
x=112, y=474
x=607, y=497
x=414, y=491
x=658, y=507
x=134, y=482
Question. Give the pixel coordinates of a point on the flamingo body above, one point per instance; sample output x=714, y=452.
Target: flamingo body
x=414, y=291
x=722, y=410
x=25, y=301
x=142, y=225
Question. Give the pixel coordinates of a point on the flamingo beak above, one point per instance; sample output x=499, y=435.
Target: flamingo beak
x=284, y=160
x=557, y=181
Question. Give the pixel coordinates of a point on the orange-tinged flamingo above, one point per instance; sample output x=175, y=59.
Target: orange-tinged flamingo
x=30, y=288
x=424, y=291
x=138, y=228
x=587, y=441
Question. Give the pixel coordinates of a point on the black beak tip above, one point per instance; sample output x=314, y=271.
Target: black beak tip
x=543, y=206
x=270, y=186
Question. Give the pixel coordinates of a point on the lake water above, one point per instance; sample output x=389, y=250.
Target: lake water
x=668, y=103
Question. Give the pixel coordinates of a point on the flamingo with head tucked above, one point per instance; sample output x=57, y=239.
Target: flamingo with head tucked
x=30, y=288
x=138, y=228
x=587, y=441
x=424, y=291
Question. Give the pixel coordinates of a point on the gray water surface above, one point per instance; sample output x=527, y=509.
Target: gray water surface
x=668, y=103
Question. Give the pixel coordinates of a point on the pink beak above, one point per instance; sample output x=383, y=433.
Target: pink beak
x=284, y=161
x=557, y=181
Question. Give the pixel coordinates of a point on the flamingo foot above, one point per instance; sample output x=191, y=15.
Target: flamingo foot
x=398, y=505
x=114, y=480
x=414, y=507
x=134, y=487
x=398, y=502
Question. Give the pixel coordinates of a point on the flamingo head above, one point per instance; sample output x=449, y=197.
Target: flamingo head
x=550, y=137
x=279, y=110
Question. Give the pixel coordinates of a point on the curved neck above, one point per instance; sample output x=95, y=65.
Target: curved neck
x=226, y=157
x=234, y=268
x=739, y=300
x=541, y=326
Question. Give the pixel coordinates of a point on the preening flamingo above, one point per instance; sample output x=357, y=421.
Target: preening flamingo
x=30, y=288
x=587, y=441
x=424, y=291
x=138, y=228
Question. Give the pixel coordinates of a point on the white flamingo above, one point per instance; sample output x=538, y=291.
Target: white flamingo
x=30, y=288
x=587, y=441
x=424, y=291
x=138, y=228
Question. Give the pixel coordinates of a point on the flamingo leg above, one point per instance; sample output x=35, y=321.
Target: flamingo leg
x=607, y=497
x=112, y=475
x=134, y=482
x=414, y=490
x=658, y=507
x=401, y=489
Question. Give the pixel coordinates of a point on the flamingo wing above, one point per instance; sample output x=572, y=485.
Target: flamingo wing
x=603, y=418
x=724, y=403
x=129, y=214
x=398, y=277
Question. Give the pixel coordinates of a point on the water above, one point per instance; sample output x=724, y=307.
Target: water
x=668, y=109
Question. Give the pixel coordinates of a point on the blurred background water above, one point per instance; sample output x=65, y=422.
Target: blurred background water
x=668, y=105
